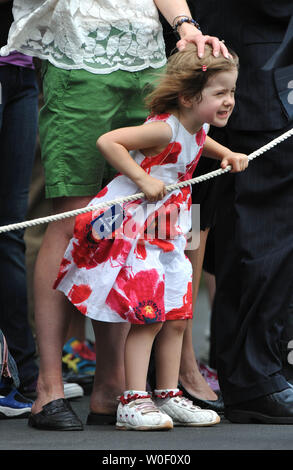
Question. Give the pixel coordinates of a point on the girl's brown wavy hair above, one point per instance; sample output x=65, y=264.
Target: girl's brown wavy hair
x=184, y=76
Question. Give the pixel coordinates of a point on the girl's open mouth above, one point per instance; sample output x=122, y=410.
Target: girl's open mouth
x=223, y=114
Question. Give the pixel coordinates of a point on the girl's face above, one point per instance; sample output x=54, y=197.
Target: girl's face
x=217, y=101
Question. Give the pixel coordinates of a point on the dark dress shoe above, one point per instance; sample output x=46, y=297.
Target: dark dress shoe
x=56, y=416
x=216, y=405
x=275, y=408
x=100, y=419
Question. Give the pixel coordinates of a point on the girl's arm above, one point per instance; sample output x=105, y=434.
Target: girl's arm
x=212, y=149
x=152, y=138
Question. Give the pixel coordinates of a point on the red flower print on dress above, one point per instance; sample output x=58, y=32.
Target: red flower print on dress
x=78, y=294
x=164, y=245
x=190, y=168
x=87, y=253
x=131, y=225
x=200, y=137
x=62, y=271
x=102, y=193
x=158, y=117
x=186, y=196
x=141, y=296
x=169, y=155
x=140, y=250
x=163, y=223
x=82, y=309
x=185, y=311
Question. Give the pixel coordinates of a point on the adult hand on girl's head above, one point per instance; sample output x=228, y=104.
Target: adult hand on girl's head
x=238, y=162
x=199, y=39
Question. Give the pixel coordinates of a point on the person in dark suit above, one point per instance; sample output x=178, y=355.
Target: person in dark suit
x=253, y=231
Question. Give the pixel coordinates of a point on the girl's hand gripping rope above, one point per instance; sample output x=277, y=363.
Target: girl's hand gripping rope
x=238, y=161
x=153, y=188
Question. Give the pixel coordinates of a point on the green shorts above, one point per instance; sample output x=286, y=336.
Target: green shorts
x=79, y=106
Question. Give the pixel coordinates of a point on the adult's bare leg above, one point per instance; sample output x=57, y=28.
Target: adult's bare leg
x=76, y=327
x=52, y=309
x=190, y=375
x=168, y=349
x=109, y=380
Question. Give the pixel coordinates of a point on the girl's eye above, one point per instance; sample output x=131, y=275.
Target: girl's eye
x=222, y=93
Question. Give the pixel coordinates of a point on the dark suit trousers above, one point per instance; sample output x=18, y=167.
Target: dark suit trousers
x=253, y=266
x=18, y=129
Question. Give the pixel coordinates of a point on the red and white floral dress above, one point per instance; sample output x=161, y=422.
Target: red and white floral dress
x=140, y=272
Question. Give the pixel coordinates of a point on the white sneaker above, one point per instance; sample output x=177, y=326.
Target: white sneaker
x=72, y=390
x=142, y=415
x=184, y=413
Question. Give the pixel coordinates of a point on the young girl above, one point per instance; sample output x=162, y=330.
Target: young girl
x=135, y=270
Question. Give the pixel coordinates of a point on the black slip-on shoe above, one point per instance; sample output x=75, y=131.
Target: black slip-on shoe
x=275, y=408
x=215, y=405
x=56, y=416
x=100, y=419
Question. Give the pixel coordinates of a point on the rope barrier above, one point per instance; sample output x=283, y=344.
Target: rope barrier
x=199, y=179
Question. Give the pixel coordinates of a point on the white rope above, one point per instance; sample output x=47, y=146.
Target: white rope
x=199, y=179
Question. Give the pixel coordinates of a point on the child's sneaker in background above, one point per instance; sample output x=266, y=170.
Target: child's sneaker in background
x=13, y=404
x=79, y=363
x=84, y=349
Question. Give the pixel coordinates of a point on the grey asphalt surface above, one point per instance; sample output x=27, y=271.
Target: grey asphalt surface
x=17, y=435
x=102, y=443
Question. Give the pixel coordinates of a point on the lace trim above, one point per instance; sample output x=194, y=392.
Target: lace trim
x=57, y=63
x=100, y=37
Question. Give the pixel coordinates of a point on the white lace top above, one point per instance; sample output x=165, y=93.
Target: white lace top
x=96, y=35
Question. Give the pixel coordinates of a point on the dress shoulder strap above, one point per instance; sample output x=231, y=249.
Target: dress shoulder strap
x=169, y=119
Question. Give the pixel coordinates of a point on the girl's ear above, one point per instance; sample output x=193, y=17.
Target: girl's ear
x=185, y=101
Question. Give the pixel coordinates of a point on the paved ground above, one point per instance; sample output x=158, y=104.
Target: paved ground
x=223, y=444
x=17, y=435
x=105, y=444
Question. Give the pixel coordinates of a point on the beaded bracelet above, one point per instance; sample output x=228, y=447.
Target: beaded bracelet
x=178, y=16
x=185, y=19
